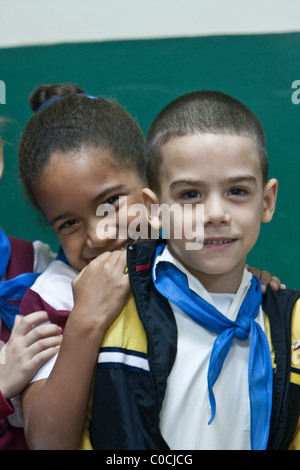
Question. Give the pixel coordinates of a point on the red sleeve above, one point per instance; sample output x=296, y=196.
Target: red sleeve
x=5, y=407
x=33, y=302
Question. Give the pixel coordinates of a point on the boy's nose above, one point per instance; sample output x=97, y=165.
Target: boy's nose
x=215, y=211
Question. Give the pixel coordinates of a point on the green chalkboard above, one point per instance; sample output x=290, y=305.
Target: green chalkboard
x=144, y=76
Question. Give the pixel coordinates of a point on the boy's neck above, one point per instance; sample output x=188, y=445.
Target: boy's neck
x=221, y=284
x=227, y=283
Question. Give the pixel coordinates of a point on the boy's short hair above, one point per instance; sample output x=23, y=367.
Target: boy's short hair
x=202, y=112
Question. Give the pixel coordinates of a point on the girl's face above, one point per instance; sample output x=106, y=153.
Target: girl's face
x=69, y=194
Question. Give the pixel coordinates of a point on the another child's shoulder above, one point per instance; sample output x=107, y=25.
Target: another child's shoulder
x=27, y=256
x=21, y=257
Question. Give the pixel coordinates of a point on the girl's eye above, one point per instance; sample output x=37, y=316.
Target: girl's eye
x=67, y=224
x=237, y=192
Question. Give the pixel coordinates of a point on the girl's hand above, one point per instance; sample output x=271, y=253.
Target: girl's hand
x=267, y=278
x=101, y=289
x=33, y=341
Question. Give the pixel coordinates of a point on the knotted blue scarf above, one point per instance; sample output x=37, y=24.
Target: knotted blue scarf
x=173, y=285
x=12, y=289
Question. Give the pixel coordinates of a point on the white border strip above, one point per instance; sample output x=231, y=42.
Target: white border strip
x=35, y=22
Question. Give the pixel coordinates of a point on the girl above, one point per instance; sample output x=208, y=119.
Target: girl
x=24, y=348
x=77, y=153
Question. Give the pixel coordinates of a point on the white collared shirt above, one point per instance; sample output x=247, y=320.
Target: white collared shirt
x=186, y=411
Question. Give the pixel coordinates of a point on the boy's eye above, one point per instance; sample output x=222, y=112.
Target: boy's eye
x=111, y=200
x=237, y=192
x=193, y=194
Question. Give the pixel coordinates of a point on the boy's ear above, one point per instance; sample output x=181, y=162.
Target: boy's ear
x=152, y=205
x=270, y=196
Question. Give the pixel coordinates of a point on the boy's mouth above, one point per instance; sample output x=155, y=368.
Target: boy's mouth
x=218, y=243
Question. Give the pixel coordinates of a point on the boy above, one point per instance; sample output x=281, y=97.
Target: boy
x=205, y=148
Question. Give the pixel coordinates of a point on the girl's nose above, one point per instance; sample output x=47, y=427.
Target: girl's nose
x=98, y=238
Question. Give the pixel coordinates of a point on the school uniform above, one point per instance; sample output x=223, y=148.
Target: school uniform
x=25, y=257
x=52, y=292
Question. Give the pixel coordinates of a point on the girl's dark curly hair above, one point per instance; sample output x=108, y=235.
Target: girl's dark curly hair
x=72, y=123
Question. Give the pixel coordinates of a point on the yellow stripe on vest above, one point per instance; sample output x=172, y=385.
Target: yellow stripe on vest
x=127, y=331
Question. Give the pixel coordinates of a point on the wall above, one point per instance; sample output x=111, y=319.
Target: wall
x=144, y=74
x=58, y=21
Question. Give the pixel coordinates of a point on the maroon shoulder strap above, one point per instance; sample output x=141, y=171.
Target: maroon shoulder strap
x=21, y=258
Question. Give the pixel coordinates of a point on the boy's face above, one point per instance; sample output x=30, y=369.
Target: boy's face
x=71, y=190
x=222, y=172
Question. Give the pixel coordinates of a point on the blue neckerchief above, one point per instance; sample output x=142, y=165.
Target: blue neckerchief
x=12, y=289
x=173, y=285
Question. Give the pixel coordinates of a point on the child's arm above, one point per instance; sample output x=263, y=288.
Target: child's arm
x=31, y=344
x=267, y=278
x=54, y=410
